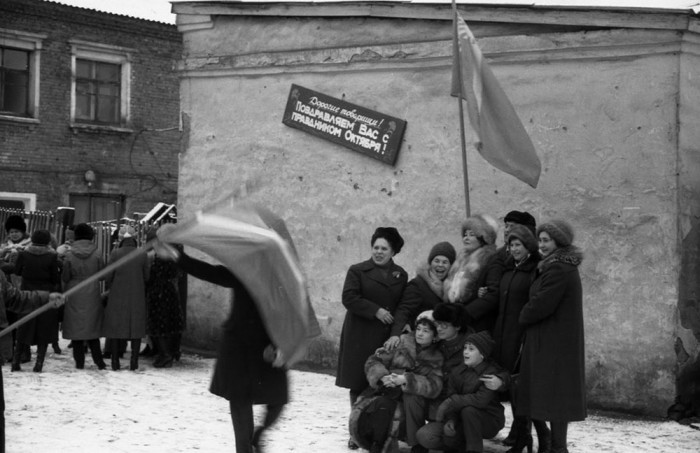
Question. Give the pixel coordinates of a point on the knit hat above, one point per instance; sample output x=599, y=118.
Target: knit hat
x=391, y=235
x=483, y=227
x=559, y=230
x=15, y=222
x=427, y=318
x=41, y=237
x=525, y=236
x=443, y=249
x=483, y=342
x=84, y=231
x=521, y=218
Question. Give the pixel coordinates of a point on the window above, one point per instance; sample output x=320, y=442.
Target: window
x=19, y=69
x=17, y=200
x=100, y=85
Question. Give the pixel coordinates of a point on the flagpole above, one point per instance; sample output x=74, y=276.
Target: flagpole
x=456, y=60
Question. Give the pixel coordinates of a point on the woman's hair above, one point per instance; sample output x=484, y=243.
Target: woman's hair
x=451, y=313
x=428, y=323
x=391, y=235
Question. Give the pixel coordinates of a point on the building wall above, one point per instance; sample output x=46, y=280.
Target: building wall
x=49, y=157
x=602, y=108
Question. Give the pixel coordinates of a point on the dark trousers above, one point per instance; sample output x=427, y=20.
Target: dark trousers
x=243, y=423
x=472, y=427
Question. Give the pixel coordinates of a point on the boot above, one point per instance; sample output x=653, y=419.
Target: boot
x=26, y=353
x=544, y=436
x=15, y=361
x=114, y=354
x=523, y=439
x=135, y=348
x=79, y=355
x=56, y=348
x=509, y=441
x=164, y=359
x=40, y=355
x=96, y=353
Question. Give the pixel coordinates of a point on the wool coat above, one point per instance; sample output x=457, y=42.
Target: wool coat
x=422, y=293
x=552, y=371
x=514, y=293
x=469, y=272
x=367, y=288
x=125, y=313
x=84, y=310
x=163, y=299
x=38, y=268
x=240, y=373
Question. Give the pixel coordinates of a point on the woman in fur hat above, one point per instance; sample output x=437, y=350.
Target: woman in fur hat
x=552, y=369
x=475, y=267
x=371, y=293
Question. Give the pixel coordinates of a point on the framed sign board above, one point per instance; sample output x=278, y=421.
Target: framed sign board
x=363, y=130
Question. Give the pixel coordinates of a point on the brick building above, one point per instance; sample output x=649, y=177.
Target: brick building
x=89, y=110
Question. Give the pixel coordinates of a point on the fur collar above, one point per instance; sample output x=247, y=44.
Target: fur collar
x=567, y=255
x=39, y=249
x=434, y=283
x=461, y=281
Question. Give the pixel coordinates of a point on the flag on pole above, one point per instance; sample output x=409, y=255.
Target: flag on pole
x=502, y=138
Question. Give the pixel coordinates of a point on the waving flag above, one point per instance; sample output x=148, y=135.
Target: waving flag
x=502, y=139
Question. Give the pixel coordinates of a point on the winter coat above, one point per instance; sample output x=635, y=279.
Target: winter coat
x=125, y=313
x=514, y=293
x=422, y=293
x=552, y=369
x=163, y=300
x=465, y=389
x=84, y=310
x=367, y=289
x=240, y=373
x=37, y=265
x=422, y=366
x=469, y=272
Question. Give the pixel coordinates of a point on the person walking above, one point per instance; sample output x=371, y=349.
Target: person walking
x=552, y=369
x=37, y=265
x=83, y=311
x=371, y=293
x=125, y=313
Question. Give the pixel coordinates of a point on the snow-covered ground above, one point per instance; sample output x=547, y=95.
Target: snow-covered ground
x=171, y=410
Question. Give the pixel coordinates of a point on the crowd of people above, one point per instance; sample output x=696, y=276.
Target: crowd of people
x=429, y=360
x=136, y=300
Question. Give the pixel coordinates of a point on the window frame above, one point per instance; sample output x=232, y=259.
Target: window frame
x=103, y=53
x=32, y=43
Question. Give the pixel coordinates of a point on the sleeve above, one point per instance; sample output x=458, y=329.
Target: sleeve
x=481, y=306
x=408, y=307
x=426, y=380
x=550, y=293
x=353, y=299
x=66, y=270
x=216, y=274
x=376, y=366
x=21, y=302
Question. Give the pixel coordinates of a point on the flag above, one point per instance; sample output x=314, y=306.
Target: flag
x=502, y=139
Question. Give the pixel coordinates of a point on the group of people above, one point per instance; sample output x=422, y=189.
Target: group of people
x=429, y=360
x=138, y=299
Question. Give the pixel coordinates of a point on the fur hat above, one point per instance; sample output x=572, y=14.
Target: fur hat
x=525, y=236
x=559, y=230
x=41, y=237
x=443, y=249
x=84, y=231
x=483, y=226
x=483, y=342
x=15, y=222
x=391, y=235
x=522, y=218
x=452, y=313
x=426, y=317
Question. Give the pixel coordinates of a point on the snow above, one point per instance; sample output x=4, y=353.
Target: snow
x=171, y=410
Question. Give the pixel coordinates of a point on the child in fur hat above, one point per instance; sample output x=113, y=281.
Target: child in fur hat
x=17, y=240
x=471, y=411
x=413, y=369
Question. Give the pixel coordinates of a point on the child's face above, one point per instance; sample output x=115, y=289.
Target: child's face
x=15, y=235
x=424, y=335
x=446, y=331
x=472, y=356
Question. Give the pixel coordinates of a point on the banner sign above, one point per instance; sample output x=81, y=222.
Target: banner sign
x=365, y=131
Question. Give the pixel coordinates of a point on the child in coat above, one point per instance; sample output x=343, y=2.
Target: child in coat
x=471, y=411
x=414, y=368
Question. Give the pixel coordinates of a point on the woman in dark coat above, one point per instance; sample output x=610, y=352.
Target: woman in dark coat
x=38, y=267
x=371, y=293
x=552, y=370
x=245, y=372
x=519, y=272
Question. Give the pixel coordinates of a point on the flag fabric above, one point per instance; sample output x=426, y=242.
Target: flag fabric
x=502, y=138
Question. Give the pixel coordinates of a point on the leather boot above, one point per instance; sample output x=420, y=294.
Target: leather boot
x=114, y=349
x=79, y=354
x=523, y=438
x=96, y=353
x=544, y=436
x=40, y=355
x=135, y=349
x=16, y=360
x=164, y=359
